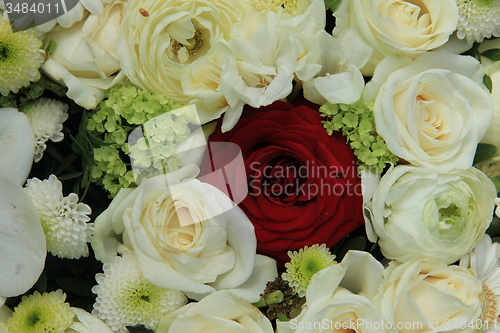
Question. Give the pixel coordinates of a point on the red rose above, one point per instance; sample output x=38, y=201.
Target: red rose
x=303, y=186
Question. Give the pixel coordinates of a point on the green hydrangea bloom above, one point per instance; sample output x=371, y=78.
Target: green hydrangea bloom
x=357, y=123
x=123, y=109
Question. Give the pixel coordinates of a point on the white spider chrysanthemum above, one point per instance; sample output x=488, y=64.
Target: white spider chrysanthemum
x=304, y=264
x=20, y=58
x=478, y=19
x=63, y=219
x=126, y=298
x=46, y=117
x=485, y=261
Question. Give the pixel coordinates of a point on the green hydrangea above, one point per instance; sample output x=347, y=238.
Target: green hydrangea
x=123, y=109
x=357, y=123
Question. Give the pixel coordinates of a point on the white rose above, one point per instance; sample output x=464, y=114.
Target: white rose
x=419, y=214
x=215, y=249
x=221, y=311
x=432, y=111
x=160, y=40
x=85, y=59
x=338, y=298
x=429, y=296
x=396, y=26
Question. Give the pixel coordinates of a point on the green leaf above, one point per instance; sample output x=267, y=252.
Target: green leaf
x=139, y=329
x=493, y=54
x=496, y=240
x=488, y=83
x=41, y=284
x=70, y=175
x=332, y=4
x=97, y=143
x=51, y=47
x=496, y=181
x=493, y=230
x=76, y=286
x=483, y=152
x=66, y=163
x=356, y=243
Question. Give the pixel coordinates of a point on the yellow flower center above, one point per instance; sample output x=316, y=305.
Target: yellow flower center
x=274, y=5
x=490, y=310
x=195, y=44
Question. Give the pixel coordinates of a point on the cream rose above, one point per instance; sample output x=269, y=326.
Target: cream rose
x=396, y=26
x=417, y=213
x=432, y=111
x=429, y=296
x=189, y=237
x=159, y=40
x=221, y=311
x=85, y=59
x=338, y=298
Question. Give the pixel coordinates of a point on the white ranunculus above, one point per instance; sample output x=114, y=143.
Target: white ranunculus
x=429, y=296
x=160, y=40
x=420, y=214
x=85, y=59
x=398, y=27
x=22, y=242
x=339, y=298
x=221, y=311
x=214, y=250
x=432, y=111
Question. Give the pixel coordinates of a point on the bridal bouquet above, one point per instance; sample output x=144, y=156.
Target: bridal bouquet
x=258, y=166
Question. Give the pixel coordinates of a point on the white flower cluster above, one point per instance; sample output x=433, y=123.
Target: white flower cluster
x=64, y=219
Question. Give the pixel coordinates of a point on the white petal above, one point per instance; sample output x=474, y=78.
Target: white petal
x=22, y=242
x=343, y=87
x=88, y=323
x=17, y=145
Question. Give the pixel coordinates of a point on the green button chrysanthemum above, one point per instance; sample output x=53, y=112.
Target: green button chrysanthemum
x=47, y=313
x=20, y=58
x=478, y=19
x=304, y=264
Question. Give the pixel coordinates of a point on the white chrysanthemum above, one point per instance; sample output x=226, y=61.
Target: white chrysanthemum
x=126, y=298
x=20, y=58
x=485, y=261
x=478, y=19
x=46, y=117
x=63, y=219
x=304, y=264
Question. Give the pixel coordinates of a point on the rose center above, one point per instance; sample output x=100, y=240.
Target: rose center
x=407, y=14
